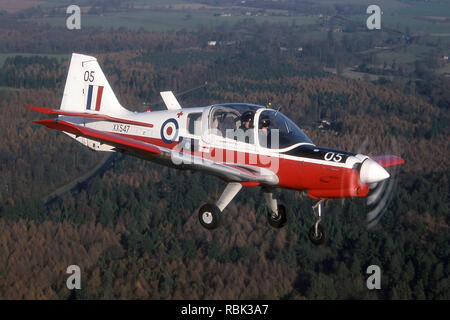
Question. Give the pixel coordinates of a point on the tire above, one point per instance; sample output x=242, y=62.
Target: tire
x=209, y=216
x=320, y=238
x=279, y=221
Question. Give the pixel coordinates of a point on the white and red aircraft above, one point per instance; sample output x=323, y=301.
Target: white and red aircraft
x=243, y=144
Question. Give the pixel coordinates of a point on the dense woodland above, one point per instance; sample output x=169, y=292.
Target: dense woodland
x=133, y=229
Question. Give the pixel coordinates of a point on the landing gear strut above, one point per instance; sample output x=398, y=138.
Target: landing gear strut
x=316, y=233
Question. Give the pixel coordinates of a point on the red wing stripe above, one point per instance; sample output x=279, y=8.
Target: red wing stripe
x=388, y=160
x=88, y=115
x=109, y=138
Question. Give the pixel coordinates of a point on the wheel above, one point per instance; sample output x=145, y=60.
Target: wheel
x=319, y=238
x=209, y=216
x=280, y=220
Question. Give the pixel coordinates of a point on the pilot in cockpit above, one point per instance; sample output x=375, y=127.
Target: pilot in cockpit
x=265, y=123
x=264, y=132
x=247, y=120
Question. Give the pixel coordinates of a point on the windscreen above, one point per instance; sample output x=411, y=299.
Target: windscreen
x=273, y=126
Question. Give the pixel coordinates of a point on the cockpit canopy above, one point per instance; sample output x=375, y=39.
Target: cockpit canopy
x=226, y=118
x=278, y=124
x=255, y=125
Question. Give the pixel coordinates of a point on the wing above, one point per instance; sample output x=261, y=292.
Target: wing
x=388, y=160
x=246, y=174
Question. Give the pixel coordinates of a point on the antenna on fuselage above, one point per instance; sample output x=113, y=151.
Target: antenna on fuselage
x=160, y=100
x=277, y=111
x=193, y=89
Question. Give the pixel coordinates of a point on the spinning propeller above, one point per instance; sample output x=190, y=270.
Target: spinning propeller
x=380, y=193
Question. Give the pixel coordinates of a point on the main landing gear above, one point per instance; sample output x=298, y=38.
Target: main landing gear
x=316, y=233
x=210, y=215
x=276, y=215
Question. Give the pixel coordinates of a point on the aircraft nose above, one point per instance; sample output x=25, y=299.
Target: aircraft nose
x=372, y=172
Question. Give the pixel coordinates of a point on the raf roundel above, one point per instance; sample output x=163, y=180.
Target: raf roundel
x=169, y=131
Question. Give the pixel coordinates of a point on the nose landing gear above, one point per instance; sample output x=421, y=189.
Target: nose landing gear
x=316, y=233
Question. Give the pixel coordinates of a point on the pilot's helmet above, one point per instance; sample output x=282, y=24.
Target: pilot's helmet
x=264, y=122
x=247, y=116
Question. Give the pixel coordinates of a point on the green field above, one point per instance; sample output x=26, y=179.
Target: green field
x=65, y=3
x=408, y=55
x=164, y=20
x=411, y=8
x=4, y=56
x=428, y=9
x=414, y=24
x=161, y=16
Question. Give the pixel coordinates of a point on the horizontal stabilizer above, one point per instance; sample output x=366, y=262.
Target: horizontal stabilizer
x=88, y=115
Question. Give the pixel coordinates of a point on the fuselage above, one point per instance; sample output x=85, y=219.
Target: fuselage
x=214, y=133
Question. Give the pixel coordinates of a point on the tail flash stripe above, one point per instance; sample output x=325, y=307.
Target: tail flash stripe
x=89, y=99
x=99, y=98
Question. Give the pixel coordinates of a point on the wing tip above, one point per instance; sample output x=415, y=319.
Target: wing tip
x=41, y=109
x=389, y=160
x=45, y=122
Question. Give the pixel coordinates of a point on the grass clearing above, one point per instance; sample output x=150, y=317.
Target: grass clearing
x=4, y=56
x=404, y=55
x=160, y=20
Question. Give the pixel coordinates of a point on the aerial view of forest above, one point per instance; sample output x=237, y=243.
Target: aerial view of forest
x=131, y=225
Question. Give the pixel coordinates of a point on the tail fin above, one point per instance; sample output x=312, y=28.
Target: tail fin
x=87, y=88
